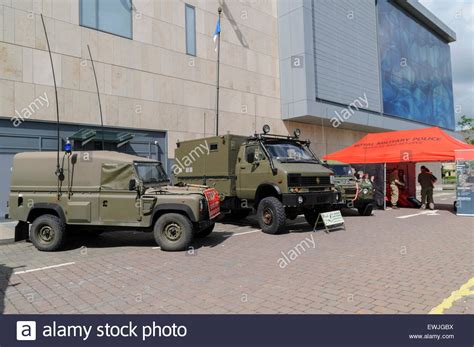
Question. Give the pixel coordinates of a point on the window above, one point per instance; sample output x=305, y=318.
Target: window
x=112, y=16
x=190, y=16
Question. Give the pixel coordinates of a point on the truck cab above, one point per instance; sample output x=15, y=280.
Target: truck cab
x=278, y=176
x=105, y=191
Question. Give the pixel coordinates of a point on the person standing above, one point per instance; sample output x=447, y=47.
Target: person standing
x=394, y=184
x=426, y=180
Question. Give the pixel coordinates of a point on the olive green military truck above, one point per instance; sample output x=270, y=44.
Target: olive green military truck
x=279, y=176
x=355, y=193
x=105, y=191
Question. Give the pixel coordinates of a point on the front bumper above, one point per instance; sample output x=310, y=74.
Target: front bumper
x=310, y=199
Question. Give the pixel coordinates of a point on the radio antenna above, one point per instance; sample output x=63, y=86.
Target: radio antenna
x=59, y=171
x=98, y=96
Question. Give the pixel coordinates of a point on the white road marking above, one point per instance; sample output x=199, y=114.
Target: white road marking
x=427, y=213
x=244, y=233
x=443, y=194
x=156, y=247
x=43, y=268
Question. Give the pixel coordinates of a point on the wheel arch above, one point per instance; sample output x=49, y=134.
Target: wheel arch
x=172, y=208
x=267, y=189
x=45, y=208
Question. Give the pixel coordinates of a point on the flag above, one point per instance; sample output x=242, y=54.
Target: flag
x=217, y=32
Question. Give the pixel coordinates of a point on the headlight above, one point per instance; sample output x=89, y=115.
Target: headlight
x=300, y=199
x=331, y=179
x=365, y=191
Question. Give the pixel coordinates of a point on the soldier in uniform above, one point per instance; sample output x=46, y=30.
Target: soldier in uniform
x=394, y=184
x=426, y=180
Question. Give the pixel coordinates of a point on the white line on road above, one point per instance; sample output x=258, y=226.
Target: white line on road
x=427, y=213
x=156, y=247
x=43, y=268
x=244, y=233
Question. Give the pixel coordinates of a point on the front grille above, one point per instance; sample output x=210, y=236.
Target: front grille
x=296, y=180
x=350, y=191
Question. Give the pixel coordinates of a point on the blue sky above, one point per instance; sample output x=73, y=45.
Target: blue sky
x=459, y=16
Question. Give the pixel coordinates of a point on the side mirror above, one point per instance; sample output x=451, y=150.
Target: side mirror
x=258, y=156
x=132, y=185
x=74, y=159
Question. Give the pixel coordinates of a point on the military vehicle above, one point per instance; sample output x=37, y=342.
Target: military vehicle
x=355, y=193
x=279, y=176
x=104, y=191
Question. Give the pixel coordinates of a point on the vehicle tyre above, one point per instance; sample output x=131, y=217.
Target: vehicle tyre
x=311, y=216
x=366, y=210
x=271, y=215
x=173, y=232
x=48, y=233
x=206, y=231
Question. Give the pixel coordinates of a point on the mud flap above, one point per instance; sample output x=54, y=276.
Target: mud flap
x=22, y=231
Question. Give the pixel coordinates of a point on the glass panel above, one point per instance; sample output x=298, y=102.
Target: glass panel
x=190, y=30
x=88, y=10
x=115, y=17
x=416, y=69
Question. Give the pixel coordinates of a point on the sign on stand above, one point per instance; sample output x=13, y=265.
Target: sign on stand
x=465, y=182
x=331, y=220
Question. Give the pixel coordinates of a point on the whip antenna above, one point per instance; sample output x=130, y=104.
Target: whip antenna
x=98, y=96
x=59, y=171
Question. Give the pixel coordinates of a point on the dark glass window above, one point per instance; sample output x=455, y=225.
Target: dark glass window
x=190, y=14
x=112, y=16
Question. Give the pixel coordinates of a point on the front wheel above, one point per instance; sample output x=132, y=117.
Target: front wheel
x=366, y=210
x=206, y=231
x=311, y=215
x=173, y=232
x=271, y=215
x=48, y=233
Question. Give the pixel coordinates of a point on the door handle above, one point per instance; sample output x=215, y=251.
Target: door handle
x=242, y=167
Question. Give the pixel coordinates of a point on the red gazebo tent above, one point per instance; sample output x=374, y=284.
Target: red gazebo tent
x=402, y=147
x=418, y=145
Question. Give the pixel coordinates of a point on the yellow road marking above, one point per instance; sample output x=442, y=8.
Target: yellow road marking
x=465, y=290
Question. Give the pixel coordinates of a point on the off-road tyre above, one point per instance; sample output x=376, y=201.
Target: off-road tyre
x=206, y=231
x=366, y=210
x=48, y=233
x=271, y=215
x=173, y=232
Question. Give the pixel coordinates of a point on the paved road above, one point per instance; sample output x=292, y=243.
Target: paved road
x=379, y=264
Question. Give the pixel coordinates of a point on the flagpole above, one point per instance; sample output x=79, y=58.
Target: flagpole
x=219, y=10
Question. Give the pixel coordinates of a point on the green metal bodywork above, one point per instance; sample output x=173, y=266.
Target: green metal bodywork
x=242, y=168
x=96, y=190
x=351, y=189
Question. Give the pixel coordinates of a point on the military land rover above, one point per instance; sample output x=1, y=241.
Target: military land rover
x=279, y=176
x=104, y=191
x=355, y=193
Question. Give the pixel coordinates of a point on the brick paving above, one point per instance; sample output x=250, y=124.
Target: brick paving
x=380, y=264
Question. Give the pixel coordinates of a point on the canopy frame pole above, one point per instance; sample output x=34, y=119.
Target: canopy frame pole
x=384, y=186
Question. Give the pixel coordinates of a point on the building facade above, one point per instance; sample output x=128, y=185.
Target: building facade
x=310, y=64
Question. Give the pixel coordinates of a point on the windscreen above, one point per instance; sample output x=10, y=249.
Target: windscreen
x=151, y=173
x=286, y=151
x=342, y=170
